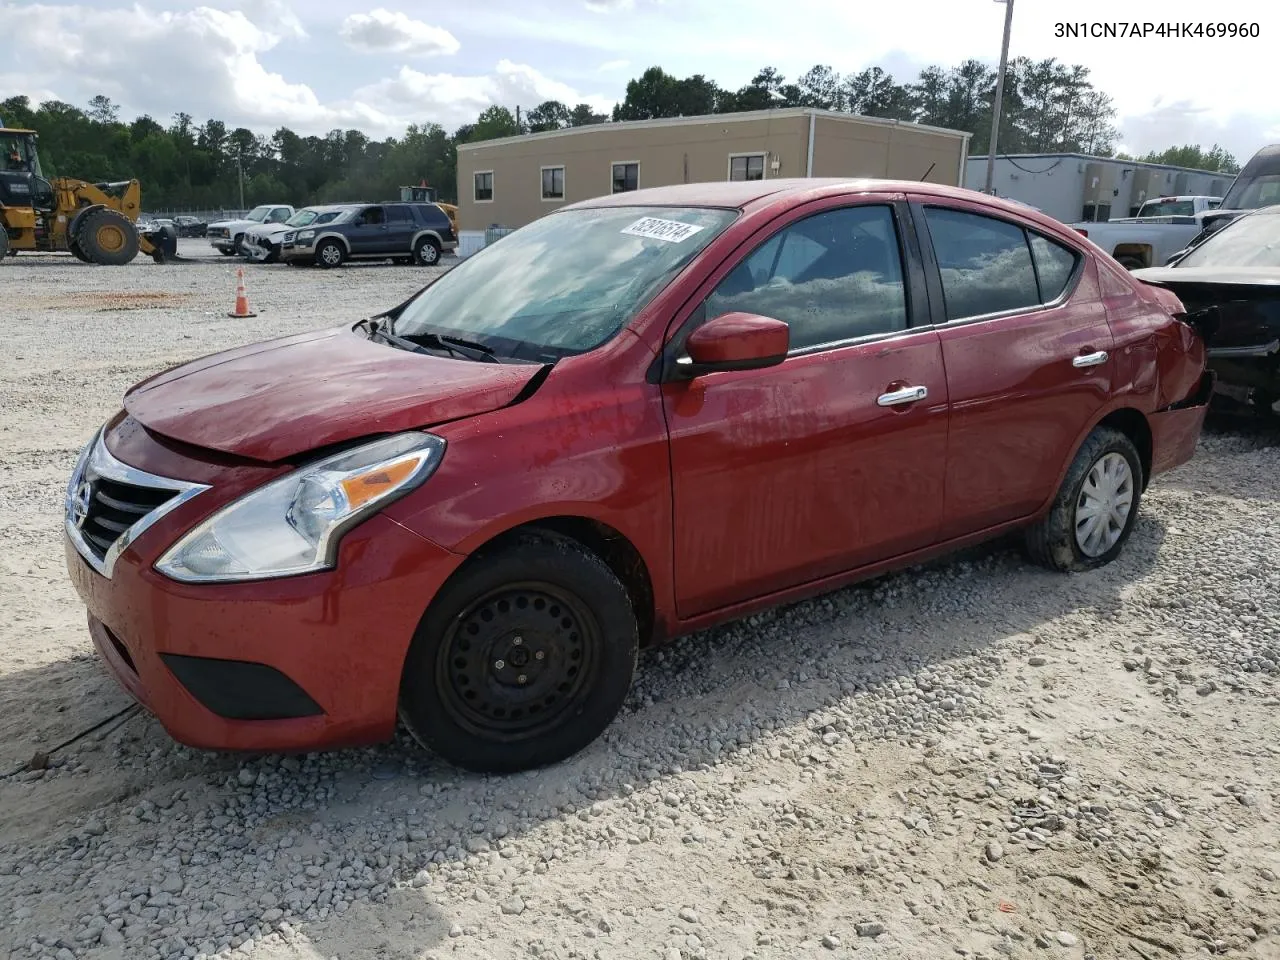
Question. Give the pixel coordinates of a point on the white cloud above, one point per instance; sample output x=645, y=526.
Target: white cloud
x=382, y=31
x=209, y=63
x=453, y=100
x=608, y=6
x=610, y=65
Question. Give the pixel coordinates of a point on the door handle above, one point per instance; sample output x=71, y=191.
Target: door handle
x=905, y=395
x=1089, y=359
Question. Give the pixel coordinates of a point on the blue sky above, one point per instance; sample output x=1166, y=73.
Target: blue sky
x=319, y=64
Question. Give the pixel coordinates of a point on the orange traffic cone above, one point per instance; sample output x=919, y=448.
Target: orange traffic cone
x=242, y=299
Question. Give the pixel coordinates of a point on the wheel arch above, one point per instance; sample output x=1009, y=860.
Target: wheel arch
x=332, y=235
x=1130, y=421
x=433, y=234
x=608, y=543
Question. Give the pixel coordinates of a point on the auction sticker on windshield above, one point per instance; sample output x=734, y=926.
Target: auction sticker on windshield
x=672, y=231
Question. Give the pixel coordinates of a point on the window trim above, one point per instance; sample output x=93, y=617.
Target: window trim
x=915, y=292
x=933, y=273
x=564, y=183
x=613, y=177
x=764, y=165
x=492, y=191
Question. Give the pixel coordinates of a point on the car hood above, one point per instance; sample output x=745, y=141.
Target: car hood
x=236, y=223
x=274, y=400
x=1237, y=309
x=271, y=230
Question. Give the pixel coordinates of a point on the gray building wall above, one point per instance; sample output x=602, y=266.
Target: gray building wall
x=1072, y=187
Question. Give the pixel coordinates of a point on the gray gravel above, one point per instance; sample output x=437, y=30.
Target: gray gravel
x=977, y=758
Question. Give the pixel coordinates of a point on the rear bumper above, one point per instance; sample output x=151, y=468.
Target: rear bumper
x=1176, y=431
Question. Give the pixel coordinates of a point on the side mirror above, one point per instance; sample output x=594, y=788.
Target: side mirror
x=735, y=341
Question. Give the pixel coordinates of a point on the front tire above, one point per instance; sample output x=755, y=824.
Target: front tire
x=330, y=254
x=1096, y=506
x=107, y=237
x=524, y=657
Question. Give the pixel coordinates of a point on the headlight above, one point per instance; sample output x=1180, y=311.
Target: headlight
x=307, y=235
x=293, y=525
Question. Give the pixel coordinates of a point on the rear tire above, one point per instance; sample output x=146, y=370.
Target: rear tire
x=330, y=254
x=427, y=252
x=4, y=245
x=1096, y=506
x=524, y=657
x=107, y=237
x=226, y=253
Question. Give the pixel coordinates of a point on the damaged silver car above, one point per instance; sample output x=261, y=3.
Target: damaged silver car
x=262, y=243
x=1230, y=285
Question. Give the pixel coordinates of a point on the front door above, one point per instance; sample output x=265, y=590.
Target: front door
x=832, y=459
x=369, y=234
x=1028, y=356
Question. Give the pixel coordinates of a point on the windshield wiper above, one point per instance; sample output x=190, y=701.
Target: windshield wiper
x=429, y=341
x=484, y=352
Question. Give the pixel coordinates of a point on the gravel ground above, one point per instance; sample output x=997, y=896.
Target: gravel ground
x=977, y=759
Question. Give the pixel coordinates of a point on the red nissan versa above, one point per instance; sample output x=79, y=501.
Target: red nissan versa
x=633, y=418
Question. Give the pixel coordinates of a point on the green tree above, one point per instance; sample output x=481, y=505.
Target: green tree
x=549, y=115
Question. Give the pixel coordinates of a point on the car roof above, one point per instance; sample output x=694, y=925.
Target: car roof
x=742, y=195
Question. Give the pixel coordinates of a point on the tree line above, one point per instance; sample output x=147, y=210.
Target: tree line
x=1047, y=106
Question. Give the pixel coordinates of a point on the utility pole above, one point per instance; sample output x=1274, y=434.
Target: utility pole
x=999, y=101
x=240, y=170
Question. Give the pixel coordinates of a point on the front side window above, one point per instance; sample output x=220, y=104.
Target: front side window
x=565, y=283
x=373, y=215
x=553, y=183
x=831, y=277
x=749, y=167
x=985, y=263
x=484, y=186
x=626, y=176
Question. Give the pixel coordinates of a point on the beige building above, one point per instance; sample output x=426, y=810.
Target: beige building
x=514, y=180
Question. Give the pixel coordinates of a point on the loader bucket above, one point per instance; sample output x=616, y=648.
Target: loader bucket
x=164, y=243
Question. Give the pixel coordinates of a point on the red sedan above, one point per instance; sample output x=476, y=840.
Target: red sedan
x=634, y=418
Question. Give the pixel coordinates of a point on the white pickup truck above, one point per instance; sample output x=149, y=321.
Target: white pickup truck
x=1163, y=226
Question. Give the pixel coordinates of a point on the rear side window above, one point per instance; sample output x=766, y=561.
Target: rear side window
x=1054, y=266
x=985, y=263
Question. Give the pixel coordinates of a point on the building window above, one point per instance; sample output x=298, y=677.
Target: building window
x=484, y=186
x=626, y=176
x=553, y=183
x=747, y=167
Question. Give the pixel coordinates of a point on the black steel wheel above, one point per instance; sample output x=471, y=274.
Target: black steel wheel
x=523, y=659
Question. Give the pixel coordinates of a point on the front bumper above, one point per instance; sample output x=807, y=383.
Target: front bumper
x=298, y=250
x=298, y=663
x=222, y=243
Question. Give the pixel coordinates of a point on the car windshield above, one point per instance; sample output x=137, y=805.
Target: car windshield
x=302, y=218
x=1255, y=192
x=258, y=214
x=564, y=284
x=1168, y=208
x=1250, y=241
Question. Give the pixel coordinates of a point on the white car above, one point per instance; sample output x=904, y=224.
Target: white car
x=262, y=243
x=225, y=236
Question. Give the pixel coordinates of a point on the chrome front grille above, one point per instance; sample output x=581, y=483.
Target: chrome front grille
x=110, y=503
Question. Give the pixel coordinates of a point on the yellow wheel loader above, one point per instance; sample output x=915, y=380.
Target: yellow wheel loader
x=94, y=221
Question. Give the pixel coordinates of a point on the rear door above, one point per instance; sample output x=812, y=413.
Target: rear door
x=833, y=459
x=401, y=227
x=1027, y=349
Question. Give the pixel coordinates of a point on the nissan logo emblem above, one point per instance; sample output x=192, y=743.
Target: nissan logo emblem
x=80, y=503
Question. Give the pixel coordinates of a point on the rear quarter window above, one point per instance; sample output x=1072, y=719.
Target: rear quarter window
x=1055, y=265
